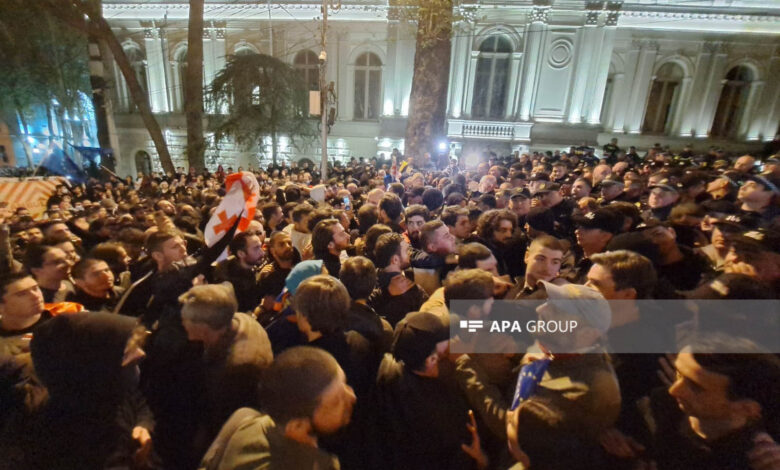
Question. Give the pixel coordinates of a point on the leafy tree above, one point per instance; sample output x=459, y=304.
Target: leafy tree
x=260, y=96
x=47, y=64
x=87, y=16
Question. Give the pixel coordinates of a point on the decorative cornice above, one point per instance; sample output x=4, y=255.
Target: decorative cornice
x=701, y=16
x=592, y=17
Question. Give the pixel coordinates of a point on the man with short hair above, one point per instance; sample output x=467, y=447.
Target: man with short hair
x=321, y=304
x=299, y=228
x=273, y=216
x=306, y=396
x=51, y=270
x=21, y=310
x=756, y=196
x=272, y=276
x=241, y=269
x=721, y=410
x=421, y=416
x=456, y=219
x=581, y=188
x=395, y=295
x=95, y=288
x=328, y=241
x=543, y=261
x=416, y=215
x=236, y=350
x=390, y=211
x=437, y=245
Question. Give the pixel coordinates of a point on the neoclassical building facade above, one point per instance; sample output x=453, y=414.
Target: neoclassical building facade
x=525, y=74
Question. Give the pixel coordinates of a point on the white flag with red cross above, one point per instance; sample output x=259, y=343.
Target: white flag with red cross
x=240, y=200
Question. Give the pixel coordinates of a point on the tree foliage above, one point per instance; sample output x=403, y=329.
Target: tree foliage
x=86, y=16
x=258, y=96
x=46, y=63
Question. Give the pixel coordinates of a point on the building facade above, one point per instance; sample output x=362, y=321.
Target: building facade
x=525, y=74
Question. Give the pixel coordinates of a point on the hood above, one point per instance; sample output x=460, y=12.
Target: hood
x=80, y=355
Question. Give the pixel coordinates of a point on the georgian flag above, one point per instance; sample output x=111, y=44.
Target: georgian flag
x=240, y=201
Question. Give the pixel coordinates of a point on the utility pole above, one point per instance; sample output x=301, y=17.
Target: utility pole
x=324, y=93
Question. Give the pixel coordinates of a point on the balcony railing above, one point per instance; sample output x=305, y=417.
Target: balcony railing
x=512, y=131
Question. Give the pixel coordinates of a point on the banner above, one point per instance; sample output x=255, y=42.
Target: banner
x=31, y=193
x=243, y=191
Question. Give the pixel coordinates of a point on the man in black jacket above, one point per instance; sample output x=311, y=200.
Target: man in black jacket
x=328, y=240
x=395, y=295
x=241, y=270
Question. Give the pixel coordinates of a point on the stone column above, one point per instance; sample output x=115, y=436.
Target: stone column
x=612, y=106
x=534, y=46
x=592, y=109
x=713, y=89
x=155, y=70
x=771, y=101
x=680, y=107
x=588, y=41
x=514, y=90
x=641, y=87
x=623, y=95
x=214, y=52
x=461, y=50
x=749, y=116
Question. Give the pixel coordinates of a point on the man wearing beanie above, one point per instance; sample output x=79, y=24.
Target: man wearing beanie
x=421, y=415
x=305, y=397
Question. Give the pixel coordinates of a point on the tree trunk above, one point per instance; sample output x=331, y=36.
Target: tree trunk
x=273, y=146
x=50, y=123
x=428, y=98
x=193, y=96
x=137, y=94
x=25, y=144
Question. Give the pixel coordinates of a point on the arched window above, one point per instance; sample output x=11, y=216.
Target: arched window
x=181, y=76
x=492, y=77
x=731, y=104
x=307, y=63
x=368, y=86
x=143, y=163
x=663, y=98
x=244, y=50
x=138, y=62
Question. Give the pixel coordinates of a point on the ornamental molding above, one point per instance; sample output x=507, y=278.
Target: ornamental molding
x=540, y=14
x=701, y=16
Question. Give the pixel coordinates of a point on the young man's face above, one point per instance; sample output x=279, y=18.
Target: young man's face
x=462, y=227
x=22, y=298
x=490, y=265
x=660, y=197
x=579, y=190
x=520, y=206
x=335, y=408
x=413, y=225
x=253, y=253
x=281, y=249
x=340, y=238
x=591, y=240
x=174, y=250
x=700, y=393
x=98, y=279
x=55, y=265
x=503, y=232
x=754, y=193
x=443, y=241
x=600, y=278
x=543, y=264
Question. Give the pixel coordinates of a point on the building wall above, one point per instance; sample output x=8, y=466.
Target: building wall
x=574, y=71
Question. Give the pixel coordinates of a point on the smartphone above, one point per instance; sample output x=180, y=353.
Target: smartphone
x=347, y=204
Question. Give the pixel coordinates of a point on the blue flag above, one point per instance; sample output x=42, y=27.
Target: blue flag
x=529, y=377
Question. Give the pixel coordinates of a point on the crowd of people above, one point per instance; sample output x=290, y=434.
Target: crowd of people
x=319, y=337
